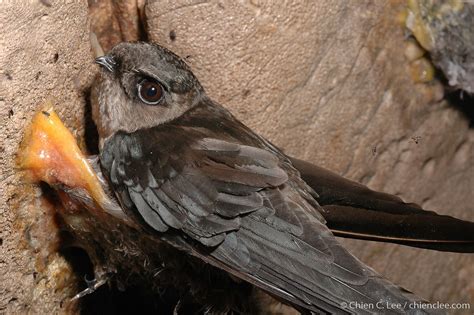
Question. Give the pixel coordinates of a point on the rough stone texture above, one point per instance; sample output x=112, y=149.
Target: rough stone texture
x=328, y=82
x=446, y=30
x=45, y=54
x=114, y=21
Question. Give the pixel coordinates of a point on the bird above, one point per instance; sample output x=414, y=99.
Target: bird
x=184, y=168
x=216, y=205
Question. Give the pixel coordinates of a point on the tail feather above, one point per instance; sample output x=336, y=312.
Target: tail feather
x=355, y=211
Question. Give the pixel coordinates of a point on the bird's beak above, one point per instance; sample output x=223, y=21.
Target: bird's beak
x=107, y=62
x=50, y=153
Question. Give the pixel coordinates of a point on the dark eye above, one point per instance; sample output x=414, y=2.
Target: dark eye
x=150, y=92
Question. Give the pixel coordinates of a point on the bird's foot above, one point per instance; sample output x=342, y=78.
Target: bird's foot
x=92, y=286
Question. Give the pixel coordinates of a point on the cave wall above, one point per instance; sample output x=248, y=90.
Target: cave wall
x=44, y=55
x=328, y=82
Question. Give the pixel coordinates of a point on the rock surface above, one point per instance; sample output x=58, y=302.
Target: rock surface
x=328, y=82
x=45, y=54
x=446, y=30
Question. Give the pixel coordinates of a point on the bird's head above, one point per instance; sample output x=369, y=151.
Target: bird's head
x=142, y=85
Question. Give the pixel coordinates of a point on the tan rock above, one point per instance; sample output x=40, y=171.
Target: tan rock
x=45, y=54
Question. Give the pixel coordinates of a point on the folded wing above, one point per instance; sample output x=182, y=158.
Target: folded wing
x=244, y=215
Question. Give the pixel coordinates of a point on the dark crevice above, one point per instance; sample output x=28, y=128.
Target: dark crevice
x=131, y=300
x=108, y=299
x=464, y=102
x=459, y=99
x=91, y=136
x=142, y=27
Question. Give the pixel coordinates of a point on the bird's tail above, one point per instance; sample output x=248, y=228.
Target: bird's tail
x=355, y=211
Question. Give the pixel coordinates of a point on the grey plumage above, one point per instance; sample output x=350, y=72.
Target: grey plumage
x=197, y=176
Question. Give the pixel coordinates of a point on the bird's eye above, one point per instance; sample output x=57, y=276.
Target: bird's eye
x=150, y=92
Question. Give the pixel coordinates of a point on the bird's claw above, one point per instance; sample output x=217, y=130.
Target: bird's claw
x=92, y=285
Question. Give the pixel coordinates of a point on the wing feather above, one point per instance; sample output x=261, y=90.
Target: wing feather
x=239, y=203
x=148, y=213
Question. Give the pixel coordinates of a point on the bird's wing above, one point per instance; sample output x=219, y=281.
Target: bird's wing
x=237, y=206
x=355, y=211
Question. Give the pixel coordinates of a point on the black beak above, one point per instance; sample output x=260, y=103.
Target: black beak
x=107, y=62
